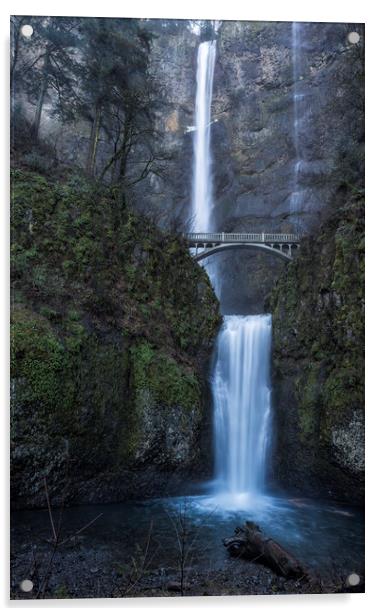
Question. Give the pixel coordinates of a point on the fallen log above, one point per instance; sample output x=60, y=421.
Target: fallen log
x=251, y=543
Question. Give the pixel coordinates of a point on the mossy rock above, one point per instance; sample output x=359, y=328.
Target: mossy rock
x=112, y=323
x=318, y=328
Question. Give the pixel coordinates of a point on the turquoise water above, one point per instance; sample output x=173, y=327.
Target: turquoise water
x=324, y=536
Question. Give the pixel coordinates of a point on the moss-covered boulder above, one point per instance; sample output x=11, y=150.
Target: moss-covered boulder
x=318, y=321
x=112, y=325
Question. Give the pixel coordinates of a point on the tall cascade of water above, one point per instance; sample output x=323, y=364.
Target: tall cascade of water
x=202, y=189
x=241, y=381
x=297, y=193
x=202, y=180
x=242, y=403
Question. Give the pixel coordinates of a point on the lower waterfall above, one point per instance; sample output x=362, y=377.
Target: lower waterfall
x=242, y=404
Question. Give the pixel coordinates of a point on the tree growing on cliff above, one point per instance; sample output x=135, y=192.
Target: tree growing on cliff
x=47, y=74
x=95, y=73
x=117, y=99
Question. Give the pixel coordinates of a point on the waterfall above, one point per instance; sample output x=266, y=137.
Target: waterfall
x=202, y=183
x=297, y=194
x=241, y=381
x=202, y=189
x=242, y=403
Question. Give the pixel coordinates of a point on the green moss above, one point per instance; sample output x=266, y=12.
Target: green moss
x=73, y=315
x=67, y=244
x=49, y=313
x=61, y=592
x=318, y=323
x=37, y=357
x=113, y=318
x=309, y=397
x=169, y=384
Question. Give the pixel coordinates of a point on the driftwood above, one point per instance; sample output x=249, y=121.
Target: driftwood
x=251, y=543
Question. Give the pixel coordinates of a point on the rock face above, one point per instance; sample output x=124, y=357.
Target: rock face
x=287, y=133
x=167, y=195
x=112, y=326
x=282, y=98
x=318, y=325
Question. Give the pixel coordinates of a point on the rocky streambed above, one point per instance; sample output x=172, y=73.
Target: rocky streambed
x=131, y=549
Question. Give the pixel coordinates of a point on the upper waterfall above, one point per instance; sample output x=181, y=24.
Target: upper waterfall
x=202, y=185
x=297, y=194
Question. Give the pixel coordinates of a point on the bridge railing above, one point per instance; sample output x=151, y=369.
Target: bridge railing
x=242, y=237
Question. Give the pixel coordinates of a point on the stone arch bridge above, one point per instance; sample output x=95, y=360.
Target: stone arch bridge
x=283, y=245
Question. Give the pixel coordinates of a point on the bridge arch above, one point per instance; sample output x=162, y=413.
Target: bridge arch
x=207, y=244
x=212, y=250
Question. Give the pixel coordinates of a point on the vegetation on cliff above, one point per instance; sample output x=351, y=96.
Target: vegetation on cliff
x=111, y=322
x=318, y=320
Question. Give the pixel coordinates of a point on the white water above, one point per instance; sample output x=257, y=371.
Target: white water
x=242, y=404
x=202, y=188
x=241, y=381
x=297, y=194
x=202, y=180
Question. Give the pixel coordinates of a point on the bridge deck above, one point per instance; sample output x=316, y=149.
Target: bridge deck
x=207, y=244
x=228, y=238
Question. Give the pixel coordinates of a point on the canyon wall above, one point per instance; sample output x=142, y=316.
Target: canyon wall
x=318, y=361
x=287, y=144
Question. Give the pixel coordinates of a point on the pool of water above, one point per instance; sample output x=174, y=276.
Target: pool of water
x=324, y=536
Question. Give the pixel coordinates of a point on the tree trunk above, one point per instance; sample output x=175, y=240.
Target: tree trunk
x=124, y=152
x=16, y=44
x=114, y=163
x=94, y=138
x=41, y=97
x=126, y=142
x=251, y=543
